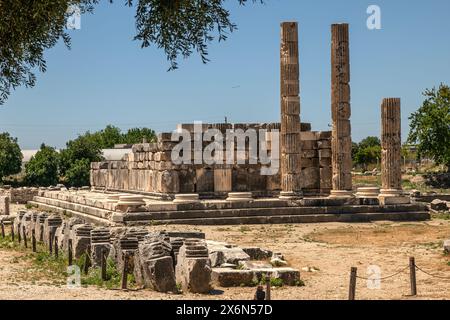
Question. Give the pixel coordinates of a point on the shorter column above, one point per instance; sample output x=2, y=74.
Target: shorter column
x=391, y=173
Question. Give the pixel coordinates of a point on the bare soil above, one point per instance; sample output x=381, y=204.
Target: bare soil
x=331, y=248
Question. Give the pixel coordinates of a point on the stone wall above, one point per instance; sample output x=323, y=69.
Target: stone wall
x=149, y=168
x=19, y=195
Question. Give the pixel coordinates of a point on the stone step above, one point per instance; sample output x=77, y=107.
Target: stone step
x=287, y=219
x=86, y=217
x=286, y=211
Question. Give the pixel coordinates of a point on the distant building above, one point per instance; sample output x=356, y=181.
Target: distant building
x=109, y=154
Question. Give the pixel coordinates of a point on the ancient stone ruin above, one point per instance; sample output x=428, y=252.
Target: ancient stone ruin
x=312, y=183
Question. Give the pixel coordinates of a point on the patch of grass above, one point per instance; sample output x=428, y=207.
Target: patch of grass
x=244, y=229
x=441, y=216
x=276, y=282
x=300, y=283
x=222, y=229
x=114, y=278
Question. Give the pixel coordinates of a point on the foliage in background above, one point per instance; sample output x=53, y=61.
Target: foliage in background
x=430, y=126
x=42, y=169
x=10, y=156
x=78, y=173
x=368, y=151
x=74, y=161
x=29, y=27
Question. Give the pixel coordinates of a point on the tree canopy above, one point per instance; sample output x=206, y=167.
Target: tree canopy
x=10, y=156
x=29, y=27
x=368, y=151
x=75, y=159
x=430, y=125
x=42, y=169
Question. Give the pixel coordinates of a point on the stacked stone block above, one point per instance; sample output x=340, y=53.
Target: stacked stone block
x=133, y=173
x=290, y=112
x=340, y=111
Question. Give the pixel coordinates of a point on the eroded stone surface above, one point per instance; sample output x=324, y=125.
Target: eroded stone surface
x=193, y=269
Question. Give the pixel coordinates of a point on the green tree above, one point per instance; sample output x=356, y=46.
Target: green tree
x=430, y=126
x=109, y=136
x=86, y=146
x=370, y=142
x=29, y=27
x=10, y=156
x=42, y=169
x=136, y=135
x=78, y=173
x=368, y=151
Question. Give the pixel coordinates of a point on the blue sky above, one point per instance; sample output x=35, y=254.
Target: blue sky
x=106, y=78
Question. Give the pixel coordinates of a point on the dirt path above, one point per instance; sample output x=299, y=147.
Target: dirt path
x=331, y=248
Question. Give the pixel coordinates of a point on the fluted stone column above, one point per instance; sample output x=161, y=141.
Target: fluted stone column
x=391, y=144
x=290, y=113
x=341, y=112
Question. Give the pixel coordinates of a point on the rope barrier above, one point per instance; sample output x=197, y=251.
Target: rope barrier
x=384, y=278
x=431, y=275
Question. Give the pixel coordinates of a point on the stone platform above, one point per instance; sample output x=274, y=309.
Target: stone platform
x=94, y=207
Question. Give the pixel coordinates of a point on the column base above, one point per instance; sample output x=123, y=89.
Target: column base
x=240, y=197
x=341, y=194
x=186, y=198
x=291, y=195
x=392, y=197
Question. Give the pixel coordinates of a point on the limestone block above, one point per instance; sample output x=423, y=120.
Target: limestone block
x=223, y=180
x=438, y=205
x=193, y=269
x=256, y=253
x=226, y=277
x=447, y=246
x=205, y=180
x=4, y=205
x=310, y=178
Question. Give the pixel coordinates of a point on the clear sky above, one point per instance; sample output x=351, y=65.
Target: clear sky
x=108, y=79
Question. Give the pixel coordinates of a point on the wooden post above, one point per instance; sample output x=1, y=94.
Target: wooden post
x=268, y=294
x=70, y=252
x=3, y=230
x=25, y=237
x=125, y=271
x=352, y=289
x=103, y=264
x=12, y=231
x=412, y=276
x=87, y=263
x=50, y=241
x=18, y=234
x=33, y=240
x=56, y=247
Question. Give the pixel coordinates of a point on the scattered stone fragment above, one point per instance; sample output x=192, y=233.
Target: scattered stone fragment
x=438, y=205
x=193, y=269
x=447, y=246
x=256, y=253
x=153, y=264
x=81, y=239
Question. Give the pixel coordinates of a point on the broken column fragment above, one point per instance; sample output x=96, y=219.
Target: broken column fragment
x=193, y=269
x=153, y=264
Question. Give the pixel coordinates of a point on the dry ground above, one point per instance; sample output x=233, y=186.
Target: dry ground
x=331, y=248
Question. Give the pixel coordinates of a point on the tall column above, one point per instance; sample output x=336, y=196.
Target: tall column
x=341, y=112
x=391, y=144
x=290, y=113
